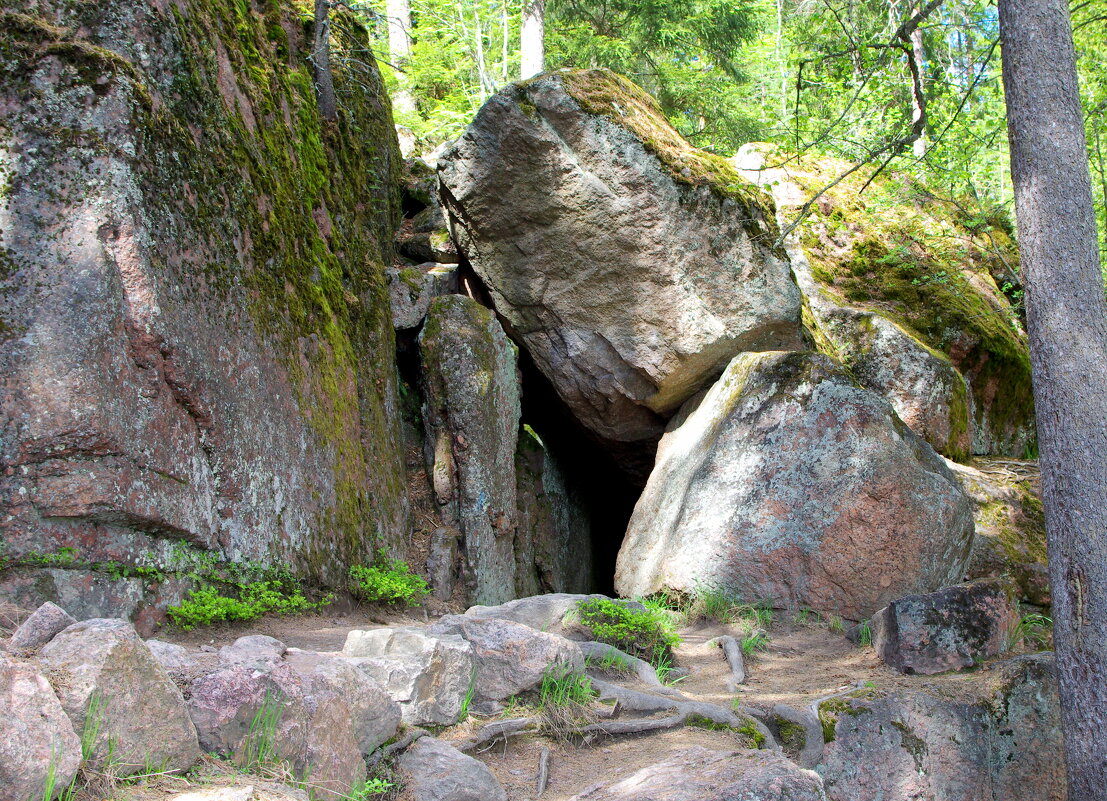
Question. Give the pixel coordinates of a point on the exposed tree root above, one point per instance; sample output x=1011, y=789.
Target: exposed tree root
x=641, y=668
x=497, y=730
x=543, y=772
x=732, y=649
x=402, y=744
x=812, y=753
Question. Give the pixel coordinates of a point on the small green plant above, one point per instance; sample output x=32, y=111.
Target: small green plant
x=865, y=635
x=562, y=686
x=645, y=633
x=258, y=747
x=369, y=789
x=750, y=730
x=1034, y=630
x=467, y=701
x=836, y=624
x=208, y=605
x=388, y=581
x=610, y=662
x=94, y=721
x=752, y=643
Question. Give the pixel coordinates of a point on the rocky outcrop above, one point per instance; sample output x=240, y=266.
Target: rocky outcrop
x=701, y=773
x=509, y=658
x=1010, y=524
x=471, y=413
x=38, y=737
x=318, y=712
x=195, y=343
x=113, y=689
x=436, y=771
x=412, y=289
x=631, y=266
x=912, y=292
x=953, y=628
x=1004, y=742
x=428, y=676
x=788, y=482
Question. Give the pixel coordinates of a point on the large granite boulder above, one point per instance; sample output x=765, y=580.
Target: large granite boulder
x=953, y=628
x=436, y=771
x=913, y=292
x=700, y=773
x=194, y=326
x=630, y=265
x=509, y=658
x=787, y=482
x=428, y=676
x=1003, y=740
x=471, y=414
x=38, y=737
x=115, y=691
x=315, y=711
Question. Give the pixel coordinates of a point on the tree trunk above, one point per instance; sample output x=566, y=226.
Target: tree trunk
x=1067, y=319
x=918, y=147
x=532, y=48
x=321, y=61
x=398, y=13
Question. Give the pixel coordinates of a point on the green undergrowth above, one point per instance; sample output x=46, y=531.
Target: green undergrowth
x=607, y=94
x=648, y=634
x=387, y=581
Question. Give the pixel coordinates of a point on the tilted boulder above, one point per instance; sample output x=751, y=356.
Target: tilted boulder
x=111, y=686
x=436, y=771
x=630, y=265
x=1004, y=741
x=509, y=658
x=41, y=627
x=953, y=628
x=319, y=713
x=471, y=414
x=38, y=736
x=428, y=676
x=787, y=482
x=700, y=773
x=411, y=290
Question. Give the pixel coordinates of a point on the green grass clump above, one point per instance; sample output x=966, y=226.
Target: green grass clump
x=1034, y=630
x=564, y=686
x=389, y=581
x=259, y=748
x=646, y=633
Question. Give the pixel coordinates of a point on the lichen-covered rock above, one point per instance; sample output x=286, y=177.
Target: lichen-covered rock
x=545, y=612
x=320, y=713
x=788, y=482
x=1003, y=741
x=938, y=271
x=509, y=658
x=37, y=630
x=428, y=676
x=1010, y=524
x=436, y=771
x=700, y=773
x=553, y=537
x=472, y=427
x=953, y=628
x=38, y=737
x=630, y=265
x=104, y=674
x=195, y=342
x=412, y=289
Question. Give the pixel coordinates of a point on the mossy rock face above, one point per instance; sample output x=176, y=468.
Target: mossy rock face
x=944, y=272
x=194, y=304
x=630, y=265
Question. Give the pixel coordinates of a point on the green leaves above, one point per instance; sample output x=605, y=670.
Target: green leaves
x=389, y=581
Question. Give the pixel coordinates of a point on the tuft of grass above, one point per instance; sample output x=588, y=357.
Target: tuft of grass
x=610, y=662
x=648, y=634
x=754, y=642
x=835, y=624
x=1034, y=630
x=865, y=635
x=387, y=581
x=467, y=701
x=258, y=749
x=370, y=789
x=564, y=697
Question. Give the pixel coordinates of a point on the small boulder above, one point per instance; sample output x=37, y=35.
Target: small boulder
x=319, y=713
x=699, y=773
x=510, y=658
x=411, y=290
x=788, y=482
x=436, y=771
x=108, y=680
x=40, y=627
x=38, y=736
x=428, y=676
x=950, y=629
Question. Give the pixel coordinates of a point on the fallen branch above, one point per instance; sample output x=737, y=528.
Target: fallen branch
x=543, y=772
x=733, y=652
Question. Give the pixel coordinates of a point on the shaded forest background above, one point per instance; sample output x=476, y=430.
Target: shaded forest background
x=827, y=75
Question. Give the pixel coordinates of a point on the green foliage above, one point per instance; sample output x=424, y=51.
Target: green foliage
x=647, y=634
x=1034, y=630
x=564, y=686
x=467, y=701
x=258, y=748
x=865, y=635
x=750, y=730
x=388, y=581
x=370, y=789
x=610, y=662
x=752, y=643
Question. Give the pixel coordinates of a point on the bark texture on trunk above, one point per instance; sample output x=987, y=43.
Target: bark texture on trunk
x=321, y=61
x=1067, y=319
x=532, y=48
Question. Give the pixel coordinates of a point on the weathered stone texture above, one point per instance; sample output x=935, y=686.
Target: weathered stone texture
x=195, y=341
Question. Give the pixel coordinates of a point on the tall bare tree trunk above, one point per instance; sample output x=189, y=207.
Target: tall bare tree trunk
x=532, y=37
x=398, y=13
x=918, y=147
x=1067, y=319
x=321, y=61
